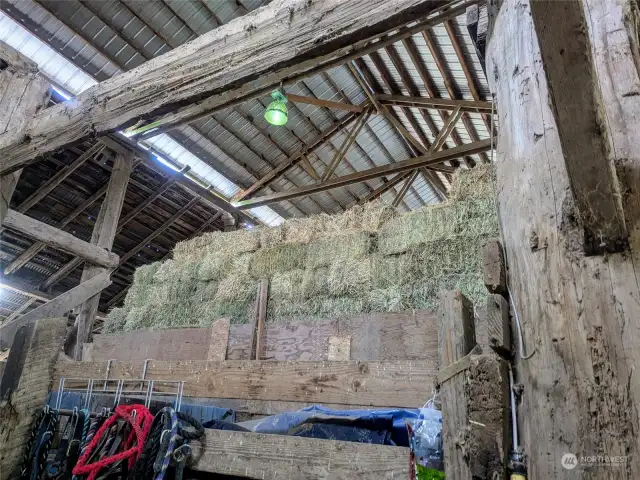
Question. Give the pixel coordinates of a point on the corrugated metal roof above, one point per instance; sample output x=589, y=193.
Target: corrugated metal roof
x=237, y=146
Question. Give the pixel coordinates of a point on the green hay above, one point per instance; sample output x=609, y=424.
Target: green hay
x=367, y=259
x=471, y=218
x=287, y=286
x=394, y=298
x=473, y=183
x=350, y=277
x=235, y=288
x=115, y=321
x=146, y=273
x=213, y=267
x=266, y=262
x=315, y=282
x=325, y=251
x=221, y=243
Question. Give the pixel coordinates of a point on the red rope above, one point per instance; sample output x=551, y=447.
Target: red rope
x=141, y=424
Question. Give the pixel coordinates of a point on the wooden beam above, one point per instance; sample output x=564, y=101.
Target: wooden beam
x=280, y=168
x=499, y=333
x=16, y=313
x=471, y=81
x=385, y=187
x=158, y=231
x=434, y=103
x=324, y=103
x=377, y=172
x=348, y=141
x=494, y=269
x=61, y=273
x=403, y=191
x=456, y=338
x=104, y=232
x=123, y=145
x=571, y=76
x=59, y=177
x=377, y=384
x=56, y=307
x=440, y=13
x=273, y=457
x=109, y=106
x=442, y=66
x=59, y=239
x=26, y=256
x=259, y=319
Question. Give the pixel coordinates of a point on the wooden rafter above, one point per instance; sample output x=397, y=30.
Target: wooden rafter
x=319, y=102
x=384, y=170
x=451, y=88
x=104, y=109
x=348, y=141
x=435, y=103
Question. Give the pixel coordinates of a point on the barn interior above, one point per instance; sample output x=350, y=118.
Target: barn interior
x=319, y=238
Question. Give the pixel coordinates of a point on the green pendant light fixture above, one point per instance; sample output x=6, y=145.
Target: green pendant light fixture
x=277, y=112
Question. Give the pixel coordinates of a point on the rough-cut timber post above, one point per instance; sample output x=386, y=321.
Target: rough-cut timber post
x=456, y=338
x=494, y=270
x=582, y=314
x=16, y=414
x=294, y=37
x=22, y=94
x=498, y=333
x=474, y=391
x=104, y=232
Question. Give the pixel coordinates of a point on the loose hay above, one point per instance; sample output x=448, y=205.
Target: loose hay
x=367, y=259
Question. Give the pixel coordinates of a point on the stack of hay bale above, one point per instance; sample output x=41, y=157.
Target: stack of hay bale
x=368, y=259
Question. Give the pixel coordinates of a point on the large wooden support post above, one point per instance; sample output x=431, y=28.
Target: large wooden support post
x=22, y=93
x=28, y=380
x=104, y=232
x=474, y=389
x=581, y=313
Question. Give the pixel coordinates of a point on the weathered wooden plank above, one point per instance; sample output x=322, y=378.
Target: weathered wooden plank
x=580, y=314
x=35, y=381
x=361, y=383
x=493, y=269
x=409, y=335
x=103, y=235
x=260, y=316
x=219, y=339
x=340, y=348
x=59, y=239
x=55, y=307
x=456, y=337
x=571, y=77
x=15, y=60
x=293, y=36
x=273, y=457
x=499, y=333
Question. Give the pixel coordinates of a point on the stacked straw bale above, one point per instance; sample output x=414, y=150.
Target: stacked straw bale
x=368, y=259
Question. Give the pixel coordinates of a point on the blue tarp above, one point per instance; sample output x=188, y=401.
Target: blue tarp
x=392, y=420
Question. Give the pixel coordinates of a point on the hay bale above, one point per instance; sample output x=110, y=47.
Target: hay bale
x=146, y=273
x=235, y=287
x=287, y=286
x=303, y=230
x=350, y=277
x=213, y=267
x=325, y=251
x=115, y=321
x=394, y=298
x=271, y=236
x=222, y=243
x=315, y=282
x=391, y=270
x=266, y=262
x=472, y=183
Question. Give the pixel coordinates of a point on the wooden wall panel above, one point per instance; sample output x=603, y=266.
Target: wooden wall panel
x=384, y=336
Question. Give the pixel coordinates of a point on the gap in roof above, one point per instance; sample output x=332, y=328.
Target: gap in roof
x=71, y=81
